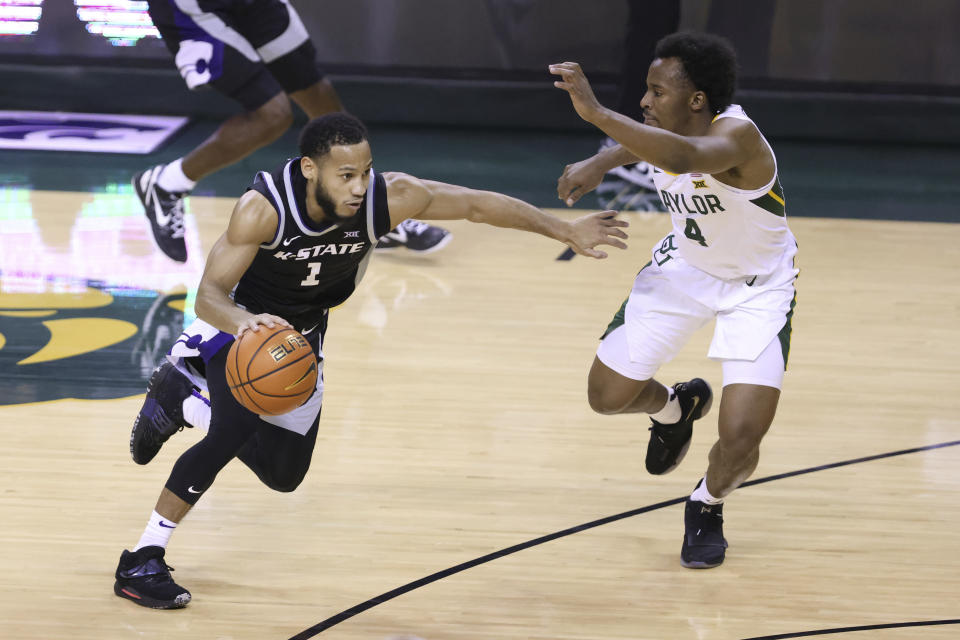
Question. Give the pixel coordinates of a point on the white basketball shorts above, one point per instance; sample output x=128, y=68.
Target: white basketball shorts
x=670, y=300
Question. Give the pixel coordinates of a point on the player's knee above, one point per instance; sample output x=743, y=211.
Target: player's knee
x=741, y=436
x=286, y=481
x=603, y=401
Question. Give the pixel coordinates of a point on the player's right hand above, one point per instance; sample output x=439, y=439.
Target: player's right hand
x=597, y=228
x=268, y=320
x=578, y=179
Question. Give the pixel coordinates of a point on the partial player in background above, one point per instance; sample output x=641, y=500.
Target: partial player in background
x=297, y=244
x=258, y=53
x=630, y=187
x=729, y=257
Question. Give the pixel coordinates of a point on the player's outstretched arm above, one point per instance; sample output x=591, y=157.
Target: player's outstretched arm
x=410, y=197
x=729, y=143
x=252, y=223
x=582, y=177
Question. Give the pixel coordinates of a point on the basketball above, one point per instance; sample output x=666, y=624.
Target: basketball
x=271, y=371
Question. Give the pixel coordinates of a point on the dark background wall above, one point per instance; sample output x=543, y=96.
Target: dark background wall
x=811, y=69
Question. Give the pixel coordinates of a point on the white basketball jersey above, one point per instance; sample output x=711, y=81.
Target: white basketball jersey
x=727, y=232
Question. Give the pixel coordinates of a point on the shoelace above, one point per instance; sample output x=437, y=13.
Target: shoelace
x=163, y=576
x=175, y=203
x=164, y=427
x=665, y=432
x=414, y=226
x=176, y=222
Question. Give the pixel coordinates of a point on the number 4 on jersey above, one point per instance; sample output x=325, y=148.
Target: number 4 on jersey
x=692, y=231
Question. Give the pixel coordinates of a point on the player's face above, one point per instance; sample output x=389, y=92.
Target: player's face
x=340, y=179
x=671, y=99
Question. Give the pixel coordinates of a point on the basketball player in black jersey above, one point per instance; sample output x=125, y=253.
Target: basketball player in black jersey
x=297, y=244
x=258, y=53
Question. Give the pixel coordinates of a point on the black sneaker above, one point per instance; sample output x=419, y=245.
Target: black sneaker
x=415, y=236
x=144, y=577
x=162, y=412
x=628, y=188
x=623, y=195
x=164, y=210
x=669, y=442
x=704, y=546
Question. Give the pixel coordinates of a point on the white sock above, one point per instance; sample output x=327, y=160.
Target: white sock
x=700, y=494
x=196, y=411
x=671, y=412
x=173, y=179
x=157, y=533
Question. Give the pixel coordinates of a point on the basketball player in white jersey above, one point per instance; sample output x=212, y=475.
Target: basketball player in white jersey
x=729, y=257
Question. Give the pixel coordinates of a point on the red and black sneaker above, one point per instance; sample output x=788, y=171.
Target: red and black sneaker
x=144, y=577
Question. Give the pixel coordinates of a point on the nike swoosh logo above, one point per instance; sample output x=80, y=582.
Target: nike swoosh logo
x=750, y=283
x=303, y=333
x=399, y=234
x=312, y=369
x=287, y=242
x=190, y=489
x=167, y=526
x=162, y=218
x=696, y=401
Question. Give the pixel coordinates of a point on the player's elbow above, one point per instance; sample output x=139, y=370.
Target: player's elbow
x=201, y=306
x=205, y=304
x=475, y=214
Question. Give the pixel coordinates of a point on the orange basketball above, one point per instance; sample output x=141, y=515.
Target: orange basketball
x=271, y=371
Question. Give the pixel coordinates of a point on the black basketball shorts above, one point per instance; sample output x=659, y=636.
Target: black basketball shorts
x=249, y=50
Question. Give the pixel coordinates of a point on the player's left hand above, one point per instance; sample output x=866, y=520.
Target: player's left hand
x=597, y=228
x=574, y=82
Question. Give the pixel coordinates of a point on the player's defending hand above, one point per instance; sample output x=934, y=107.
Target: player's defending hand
x=579, y=179
x=592, y=229
x=574, y=82
x=269, y=321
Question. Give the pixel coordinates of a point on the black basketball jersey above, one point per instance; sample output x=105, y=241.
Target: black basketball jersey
x=309, y=267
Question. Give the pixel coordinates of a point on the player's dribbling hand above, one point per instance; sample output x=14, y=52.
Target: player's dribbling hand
x=269, y=321
x=578, y=179
x=574, y=82
x=592, y=229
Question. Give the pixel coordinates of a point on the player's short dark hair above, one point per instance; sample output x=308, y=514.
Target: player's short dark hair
x=330, y=130
x=709, y=61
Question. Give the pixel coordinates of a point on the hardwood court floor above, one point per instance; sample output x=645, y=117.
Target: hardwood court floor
x=455, y=425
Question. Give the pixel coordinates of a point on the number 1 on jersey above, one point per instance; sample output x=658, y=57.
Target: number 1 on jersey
x=311, y=279
x=692, y=231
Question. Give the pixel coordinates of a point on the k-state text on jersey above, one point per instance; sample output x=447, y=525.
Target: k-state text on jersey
x=320, y=250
